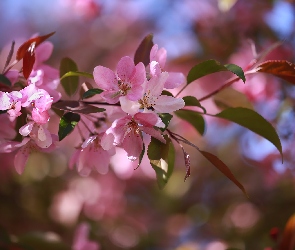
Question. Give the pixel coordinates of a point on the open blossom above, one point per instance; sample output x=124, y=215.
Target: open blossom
x=95, y=152
x=152, y=98
x=157, y=63
x=127, y=132
x=41, y=136
x=127, y=81
x=11, y=101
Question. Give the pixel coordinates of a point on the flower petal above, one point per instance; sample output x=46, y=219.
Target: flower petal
x=125, y=68
x=105, y=78
x=168, y=104
x=174, y=80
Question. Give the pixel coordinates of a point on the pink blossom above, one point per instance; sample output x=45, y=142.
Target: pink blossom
x=95, y=152
x=38, y=133
x=152, y=98
x=26, y=147
x=81, y=241
x=127, y=132
x=11, y=101
x=126, y=81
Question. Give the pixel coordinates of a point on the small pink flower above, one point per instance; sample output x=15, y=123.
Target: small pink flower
x=126, y=81
x=26, y=147
x=81, y=241
x=11, y=101
x=152, y=98
x=41, y=136
x=127, y=132
x=95, y=152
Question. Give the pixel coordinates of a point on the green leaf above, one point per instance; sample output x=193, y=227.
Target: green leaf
x=237, y=70
x=231, y=98
x=67, y=124
x=162, y=157
x=212, y=66
x=254, y=122
x=142, y=53
x=223, y=168
x=5, y=80
x=91, y=92
x=166, y=118
x=193, y=101
x=194, y=118
x=77, y=107
x=76, y=73
x=70, y=84
x=166, y=92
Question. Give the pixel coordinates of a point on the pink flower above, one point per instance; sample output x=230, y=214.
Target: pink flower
x=95, y=152
x=26, y=147
x=126, y=81
x=152, y=98
x=81, y=241
x=40, y=100
x=157, y=64
x=41, y=136
x=11, y=101
x=127, y=132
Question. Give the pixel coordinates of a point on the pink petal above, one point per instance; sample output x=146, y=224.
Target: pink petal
x=155, y=85
x=129, y=107
x=43, y=52
x=107, y=141
x=40, y=117
x=5, y=101
x=125, y=68
x=146, y=119
x=88, y=141
x=105, y=78
x=135, y=93
x=155, y=68
x=101, y=161
x=21, y=158
x=168, y=104
x=74, y=158
x=139, y=76
x=26, y=129
x=174, y=80
x=133, y=145
x=154, y=133
x=12, y=75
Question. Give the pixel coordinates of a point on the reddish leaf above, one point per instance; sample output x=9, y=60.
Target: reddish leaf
x=142, y=53
x=28, y=61
x=223, y=168
x=282, y=69
x=26, y=45
x=77, y=107
x=288, y=240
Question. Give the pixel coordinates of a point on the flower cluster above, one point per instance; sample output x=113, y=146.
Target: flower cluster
x=30, y=99
x=136, y=89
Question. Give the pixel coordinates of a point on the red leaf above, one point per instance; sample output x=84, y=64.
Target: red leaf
x=281, y=68
x=22, y=50
x=223, y=168
x=28, y=61
x=142, y=53
x=288, y=240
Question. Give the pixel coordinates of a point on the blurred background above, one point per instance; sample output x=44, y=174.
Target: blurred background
x=124, y=208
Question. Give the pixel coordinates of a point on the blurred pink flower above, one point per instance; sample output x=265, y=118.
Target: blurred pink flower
x=81, y=241
x=95, y=152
